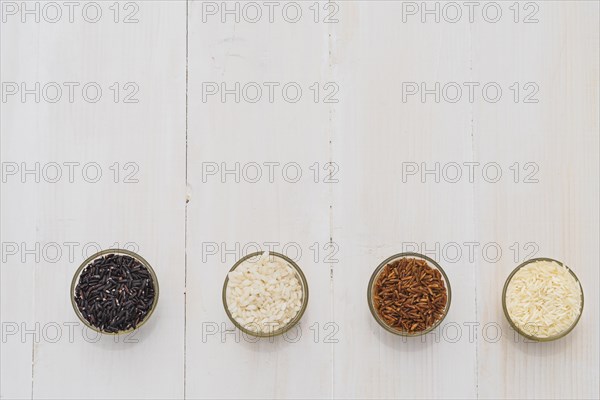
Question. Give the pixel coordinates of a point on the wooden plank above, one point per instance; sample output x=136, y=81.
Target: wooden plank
x=245, y=210
x=148, y=213
x=16, y=276
x=559, y=213
x=377, y=213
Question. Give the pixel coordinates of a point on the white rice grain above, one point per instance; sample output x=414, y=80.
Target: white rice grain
x=264, y=295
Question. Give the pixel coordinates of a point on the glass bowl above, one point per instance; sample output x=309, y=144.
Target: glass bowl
x=293, y=321
x=103, y=253
x=370, y=291
x=519, y=330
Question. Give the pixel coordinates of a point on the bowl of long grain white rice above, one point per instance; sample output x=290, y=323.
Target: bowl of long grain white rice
x=542, y=299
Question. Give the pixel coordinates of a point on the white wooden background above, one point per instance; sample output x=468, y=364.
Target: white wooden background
x=189, y=349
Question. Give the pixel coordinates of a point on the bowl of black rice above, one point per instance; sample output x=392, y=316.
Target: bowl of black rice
x=114, y=291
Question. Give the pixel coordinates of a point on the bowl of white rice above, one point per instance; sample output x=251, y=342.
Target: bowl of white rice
x=542, y=299
x=265, y=294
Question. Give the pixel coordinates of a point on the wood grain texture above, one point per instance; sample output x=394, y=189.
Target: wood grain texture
x=560, y=212
x=149, y=213
x=376, y=214
x=241, y=213
x=194, y=145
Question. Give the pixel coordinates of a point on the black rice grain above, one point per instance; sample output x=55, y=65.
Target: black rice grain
x=115, y=293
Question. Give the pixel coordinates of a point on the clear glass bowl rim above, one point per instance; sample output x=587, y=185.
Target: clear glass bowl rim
x=510, y=321
x=99, y=254
x=376, y=274
x=293, y=321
